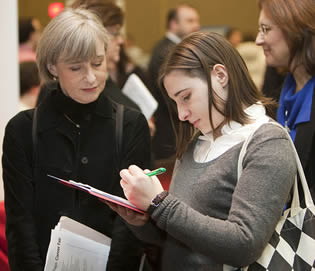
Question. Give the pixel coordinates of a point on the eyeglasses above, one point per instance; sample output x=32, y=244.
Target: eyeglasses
x=264, y=29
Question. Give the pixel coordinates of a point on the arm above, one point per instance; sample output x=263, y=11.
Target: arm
x=23, y=250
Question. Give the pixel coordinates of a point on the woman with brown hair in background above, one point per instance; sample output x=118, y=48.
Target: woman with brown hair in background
x=287, y=35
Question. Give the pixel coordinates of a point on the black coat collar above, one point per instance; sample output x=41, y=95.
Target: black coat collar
x=51, y=114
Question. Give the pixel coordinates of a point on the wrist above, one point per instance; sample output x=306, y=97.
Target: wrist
x=156, y=201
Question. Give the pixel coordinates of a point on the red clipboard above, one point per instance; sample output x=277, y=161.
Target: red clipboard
x=98, y=193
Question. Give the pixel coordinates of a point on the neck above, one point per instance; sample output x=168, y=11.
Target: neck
x=301, y=77
x=28, y=100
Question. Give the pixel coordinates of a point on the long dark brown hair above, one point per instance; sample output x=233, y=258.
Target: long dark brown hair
x=196, y=56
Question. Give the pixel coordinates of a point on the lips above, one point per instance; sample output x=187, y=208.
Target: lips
x=90, y=89
x=195, y=123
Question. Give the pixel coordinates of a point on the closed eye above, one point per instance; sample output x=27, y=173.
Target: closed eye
x=186, y=97
x=75, y=68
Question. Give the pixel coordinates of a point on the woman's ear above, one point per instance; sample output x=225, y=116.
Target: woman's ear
x=221, y=74
x=52, y=69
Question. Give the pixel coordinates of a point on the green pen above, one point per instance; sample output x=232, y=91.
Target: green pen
x=156, y=172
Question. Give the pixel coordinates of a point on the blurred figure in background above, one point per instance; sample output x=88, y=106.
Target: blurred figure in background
x=135, y=53
x=287, y=35
x=181, y=21
x=29, y=84
x=234, y=36
x=121, y=69
x=29, y=33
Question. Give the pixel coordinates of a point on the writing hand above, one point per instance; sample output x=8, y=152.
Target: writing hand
x=138, y=188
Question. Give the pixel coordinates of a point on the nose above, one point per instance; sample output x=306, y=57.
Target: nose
x=259, y=39
x=90, y=76
x=183, y=113
x=120, y=39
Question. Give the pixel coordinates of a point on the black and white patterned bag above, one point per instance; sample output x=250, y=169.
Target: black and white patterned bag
x=292, y=246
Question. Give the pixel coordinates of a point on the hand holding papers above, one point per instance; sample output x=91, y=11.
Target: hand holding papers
x=74, y=246
x=135, y=89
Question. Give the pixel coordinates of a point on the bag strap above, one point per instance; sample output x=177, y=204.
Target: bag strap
x=119, y=134
x=34, y=138
x=295, y=206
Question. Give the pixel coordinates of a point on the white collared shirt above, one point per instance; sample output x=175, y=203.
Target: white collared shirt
x=171, y=36
x=207, y=148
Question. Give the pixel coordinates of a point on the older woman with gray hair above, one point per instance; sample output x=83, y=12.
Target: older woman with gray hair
x=72, y=136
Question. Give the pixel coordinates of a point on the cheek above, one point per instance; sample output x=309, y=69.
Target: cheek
x=102, y=75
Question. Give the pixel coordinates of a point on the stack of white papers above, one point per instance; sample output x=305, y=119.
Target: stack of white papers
x=76, y=247
x=135, y=89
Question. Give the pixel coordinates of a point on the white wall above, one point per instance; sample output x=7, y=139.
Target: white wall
x=9, y=83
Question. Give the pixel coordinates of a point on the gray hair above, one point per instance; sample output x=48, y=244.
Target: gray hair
x=70, y=36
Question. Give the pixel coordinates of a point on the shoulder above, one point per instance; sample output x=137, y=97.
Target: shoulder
x=270, y=137
x=22, y=121
x=18, y=132
x=270, y=142
x=132, y=116
x=162, y=46
x=270, y=131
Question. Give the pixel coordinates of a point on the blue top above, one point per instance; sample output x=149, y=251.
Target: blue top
x=294, y=107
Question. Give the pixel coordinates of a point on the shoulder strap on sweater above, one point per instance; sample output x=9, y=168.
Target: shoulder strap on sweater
x=119, y=133
x=34, y=136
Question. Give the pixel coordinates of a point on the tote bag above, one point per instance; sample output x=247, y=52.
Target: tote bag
x=292, y=245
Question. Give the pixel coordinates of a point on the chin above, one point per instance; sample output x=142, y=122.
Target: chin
x=87, y=100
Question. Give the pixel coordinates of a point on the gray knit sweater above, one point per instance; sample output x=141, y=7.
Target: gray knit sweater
x=210, y=219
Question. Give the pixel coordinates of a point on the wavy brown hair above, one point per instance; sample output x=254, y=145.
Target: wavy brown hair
x=108, y=11
x=196, y=56
x=296, y=20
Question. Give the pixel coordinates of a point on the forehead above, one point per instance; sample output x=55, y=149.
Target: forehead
x=178, y=81
x=84, y=51
x=263, y=18
x=187, y=13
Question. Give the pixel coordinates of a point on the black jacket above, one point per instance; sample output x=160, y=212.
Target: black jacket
x=305, y=146
x=34, y=204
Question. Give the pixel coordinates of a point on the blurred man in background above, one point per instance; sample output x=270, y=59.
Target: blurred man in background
x=29, y=33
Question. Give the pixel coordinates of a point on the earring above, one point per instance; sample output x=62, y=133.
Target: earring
x=55, y=78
